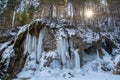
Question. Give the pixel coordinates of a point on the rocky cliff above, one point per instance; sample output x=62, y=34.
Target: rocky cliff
x=61, y=45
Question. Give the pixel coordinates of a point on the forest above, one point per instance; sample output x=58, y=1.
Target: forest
x=19, y=12
x=59, y=39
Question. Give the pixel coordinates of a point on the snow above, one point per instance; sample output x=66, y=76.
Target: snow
x=117, y=59
x=25, y=74
x=52, y=25
x=88, y=35
x=7, y=54
x=71, y=32
x=51, y=54
x=68, y=74
x=108, y=59
x=22, y=29
x=31, y=64
x=3, y=6
x=61, y=33
x=59, y=26
x=38, y=20
x=13, y=33
x=42, y=62
x=25, y=4
x=4, y=45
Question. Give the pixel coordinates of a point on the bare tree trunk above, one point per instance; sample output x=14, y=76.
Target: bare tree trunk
x=51, y=10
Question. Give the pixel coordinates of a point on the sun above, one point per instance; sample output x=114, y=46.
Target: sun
x=89, y=13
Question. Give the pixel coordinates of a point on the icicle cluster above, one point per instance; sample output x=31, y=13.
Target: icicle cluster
x=64, y=57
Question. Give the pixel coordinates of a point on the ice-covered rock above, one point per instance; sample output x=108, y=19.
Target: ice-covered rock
x=41, y=44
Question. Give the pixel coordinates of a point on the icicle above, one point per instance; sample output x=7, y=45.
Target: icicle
x=62, y=49
x=40, y=42
x=55, y=64
x=98, y=57
x=77, y=60
x=27, y=44
x=34, y=44
x=71, y=54
x=42, y=61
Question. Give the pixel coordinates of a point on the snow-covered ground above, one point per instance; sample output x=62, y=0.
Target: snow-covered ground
x=91, y=70
x=66, y=74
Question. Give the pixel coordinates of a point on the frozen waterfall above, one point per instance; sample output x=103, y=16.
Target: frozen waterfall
x=40, y=42
x=64, y=57
x=77, y=60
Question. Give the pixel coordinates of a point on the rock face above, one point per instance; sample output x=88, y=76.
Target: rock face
x=49, y=40
x=117, y=69
x=7, y=34
x=58, y=46
x=7, y=37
